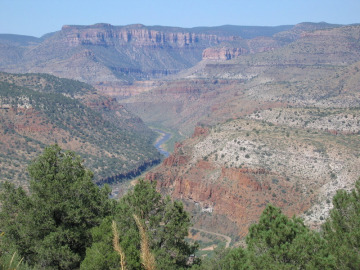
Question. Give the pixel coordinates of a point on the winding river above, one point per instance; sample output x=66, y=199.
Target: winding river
x=163, y=138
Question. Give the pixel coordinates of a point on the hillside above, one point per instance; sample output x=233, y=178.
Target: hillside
x=293, y=158
x=38, y=110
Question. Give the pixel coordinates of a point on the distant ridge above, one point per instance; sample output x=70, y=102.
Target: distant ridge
x=19, y=39
x=117, y=54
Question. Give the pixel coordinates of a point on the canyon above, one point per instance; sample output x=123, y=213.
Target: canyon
x=271, y=127
x=258, y=115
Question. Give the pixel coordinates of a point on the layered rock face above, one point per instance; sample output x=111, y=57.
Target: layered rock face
x=319, y=69
x=138, y=36
x=295, y=153
x=223, y=53
x=228, y=173
x=116, y=54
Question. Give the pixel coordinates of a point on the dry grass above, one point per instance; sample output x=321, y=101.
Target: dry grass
x=147, y=258
x=117, y=247
x=10, y=267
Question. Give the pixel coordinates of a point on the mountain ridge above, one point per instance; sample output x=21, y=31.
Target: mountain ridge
x=107, y=53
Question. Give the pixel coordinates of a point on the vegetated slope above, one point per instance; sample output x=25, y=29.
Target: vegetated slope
x=226, y=174
x=114, y=143
x=108, y=107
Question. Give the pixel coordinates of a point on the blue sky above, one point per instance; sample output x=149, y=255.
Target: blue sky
x=38, y=17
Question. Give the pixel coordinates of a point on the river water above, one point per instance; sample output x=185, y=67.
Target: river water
x=164, y=137
x=119, y=189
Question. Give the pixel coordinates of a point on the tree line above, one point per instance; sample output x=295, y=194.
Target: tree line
x=65, y=221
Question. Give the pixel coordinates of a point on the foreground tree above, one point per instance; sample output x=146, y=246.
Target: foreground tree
x=342, y=228
x=165, y=222
x=278, y=242
x=51, y=226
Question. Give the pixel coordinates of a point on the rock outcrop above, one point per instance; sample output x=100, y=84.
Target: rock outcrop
x=138, y=35
x=238, y=194
x=223, y=53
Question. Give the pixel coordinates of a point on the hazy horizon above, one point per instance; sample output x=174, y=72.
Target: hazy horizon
x=39, y=17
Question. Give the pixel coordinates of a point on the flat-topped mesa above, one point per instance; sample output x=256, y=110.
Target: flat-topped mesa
x=137, y=35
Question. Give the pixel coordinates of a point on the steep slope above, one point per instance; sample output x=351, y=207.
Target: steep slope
x=114, y=58
x=37, y=110
x=277, y=116
x=227, y=173
x=108, y=107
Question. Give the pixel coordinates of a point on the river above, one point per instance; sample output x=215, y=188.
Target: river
x=163, y=138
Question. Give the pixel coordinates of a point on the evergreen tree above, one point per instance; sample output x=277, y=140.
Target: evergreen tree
x=165, y=221
x=342, y=228
x=278, y=242
x=50, y=227
x=101, y=255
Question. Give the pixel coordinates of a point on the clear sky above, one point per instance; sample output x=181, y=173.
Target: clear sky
x=38, y=17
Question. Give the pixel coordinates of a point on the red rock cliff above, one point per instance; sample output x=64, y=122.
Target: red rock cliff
x=232, y=195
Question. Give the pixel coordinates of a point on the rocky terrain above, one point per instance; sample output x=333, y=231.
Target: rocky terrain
x=226, y=174
x=278, y=127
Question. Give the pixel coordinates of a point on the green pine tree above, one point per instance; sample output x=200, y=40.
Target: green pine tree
x=50, y=227
x=277, y=242
x=342, y=228
x=166, y=223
